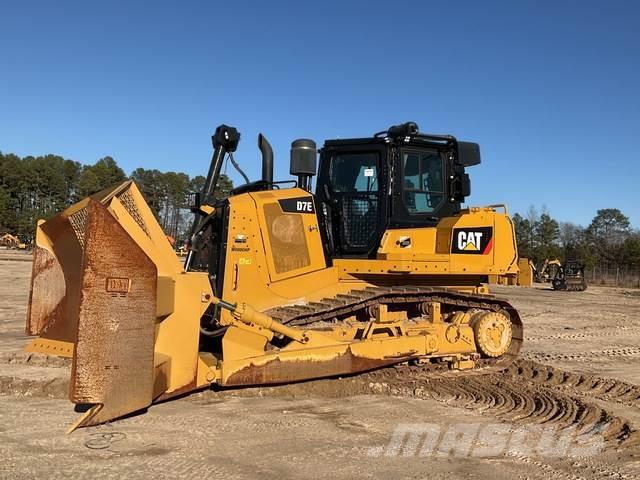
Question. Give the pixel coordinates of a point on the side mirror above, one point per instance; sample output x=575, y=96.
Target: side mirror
x=465, y=186
x=195, y=202
x=459, y=188
x=468, y=154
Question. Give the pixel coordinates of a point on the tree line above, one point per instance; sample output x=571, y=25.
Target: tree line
x=607, y=242
x=40, y=187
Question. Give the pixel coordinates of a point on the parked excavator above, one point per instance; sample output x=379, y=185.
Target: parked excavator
x=380, y=266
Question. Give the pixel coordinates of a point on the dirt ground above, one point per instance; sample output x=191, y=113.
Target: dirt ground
x=569, y=408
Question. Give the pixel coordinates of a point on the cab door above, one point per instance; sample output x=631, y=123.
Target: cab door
x=352, y=196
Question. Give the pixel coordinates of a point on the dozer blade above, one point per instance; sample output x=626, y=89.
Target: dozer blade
x=113, y=359
x=103, y=291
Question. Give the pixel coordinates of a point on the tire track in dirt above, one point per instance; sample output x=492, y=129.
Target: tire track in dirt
x=35, y=359
x=607, y=389
x=527, y=392
x=558, y=473
x=55, y=387
x=617, y=331
x=585, y=356
x=611, y=332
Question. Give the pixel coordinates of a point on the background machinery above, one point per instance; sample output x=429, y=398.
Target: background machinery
x=546, y=271
x=11, y=241
x=570, y=276
x=523, y=278
x=380, y=266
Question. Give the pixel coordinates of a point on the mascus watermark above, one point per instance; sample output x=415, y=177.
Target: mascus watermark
x=491, y=440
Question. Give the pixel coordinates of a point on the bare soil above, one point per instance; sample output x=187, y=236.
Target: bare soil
x=580, y=367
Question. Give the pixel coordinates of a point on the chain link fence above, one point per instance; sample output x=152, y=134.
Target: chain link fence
x=613, y=277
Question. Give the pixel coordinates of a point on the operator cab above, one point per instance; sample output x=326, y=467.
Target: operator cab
x=398, y=178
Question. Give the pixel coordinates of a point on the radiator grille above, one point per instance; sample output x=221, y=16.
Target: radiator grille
x=287, y=238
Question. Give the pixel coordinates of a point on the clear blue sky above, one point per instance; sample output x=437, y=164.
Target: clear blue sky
x=549, y=89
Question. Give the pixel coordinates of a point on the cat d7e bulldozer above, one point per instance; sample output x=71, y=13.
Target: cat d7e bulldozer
x=380, y=266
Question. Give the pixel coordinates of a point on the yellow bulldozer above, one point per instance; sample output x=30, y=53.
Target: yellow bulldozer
x=11, y=241
x=380, y=266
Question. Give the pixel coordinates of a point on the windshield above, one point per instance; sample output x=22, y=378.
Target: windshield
x=423, y=181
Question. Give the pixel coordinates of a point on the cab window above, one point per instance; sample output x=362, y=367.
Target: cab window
x=354, y=172
x=423, y=181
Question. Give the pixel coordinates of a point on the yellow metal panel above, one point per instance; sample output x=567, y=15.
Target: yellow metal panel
x=206, y=369
x=418, y=241
x=51, y=347
x=166, y=296
x=474, y=264
x=177, y=335
x=506, y=251
x=355, y=267
x=242, y=343
x=289, y=237
x=525, y=275
x=427, y=250
x=155, y=244
x=247, y=268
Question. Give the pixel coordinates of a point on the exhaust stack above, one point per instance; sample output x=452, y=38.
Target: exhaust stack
x=267, y=159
